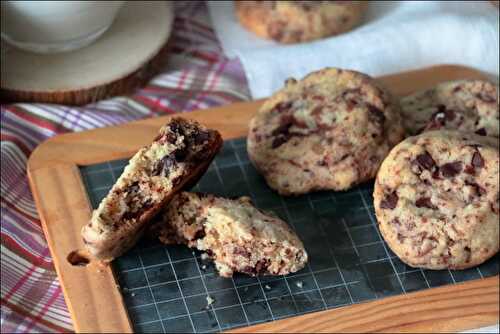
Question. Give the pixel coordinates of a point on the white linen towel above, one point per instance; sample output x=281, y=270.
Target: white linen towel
x=396, y=36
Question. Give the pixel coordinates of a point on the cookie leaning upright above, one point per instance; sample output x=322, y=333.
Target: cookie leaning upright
x=465, y=105
x=436, y=199
x=299, y=21
x=328, y=131
x=179, y=155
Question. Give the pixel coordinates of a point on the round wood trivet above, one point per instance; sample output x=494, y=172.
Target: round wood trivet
x=124, y=58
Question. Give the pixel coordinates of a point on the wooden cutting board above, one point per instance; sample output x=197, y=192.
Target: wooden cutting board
x=91, y=292
x=124, y=58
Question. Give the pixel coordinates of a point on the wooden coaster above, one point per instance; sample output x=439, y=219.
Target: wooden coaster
x=124, y=58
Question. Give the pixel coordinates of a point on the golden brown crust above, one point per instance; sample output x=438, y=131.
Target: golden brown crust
x=299, y=21
x=178, y=156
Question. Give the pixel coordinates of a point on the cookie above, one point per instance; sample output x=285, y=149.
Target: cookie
x=436, y=199
x=178, y=155
x=299, y=21
x=235, y=234
x=464, y=105
x=329, y=131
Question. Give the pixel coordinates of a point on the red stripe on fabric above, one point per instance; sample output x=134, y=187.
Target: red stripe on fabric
x=149, y=103
x=44, y=310
x=17, y=142
x=210, y=85
x=26, y=314
x=195, y=23
x=22, y=252
x=19, y=211
x=40, y=122
x=26, y=275
x=182, y=78
x=205, y=56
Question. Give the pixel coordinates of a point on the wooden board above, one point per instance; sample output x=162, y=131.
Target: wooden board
x=124, y=58
x=95, y=302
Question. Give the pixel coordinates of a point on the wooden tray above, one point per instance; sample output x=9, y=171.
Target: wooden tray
x=91, y=292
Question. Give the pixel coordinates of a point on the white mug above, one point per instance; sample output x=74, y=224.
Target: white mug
x=55, y=26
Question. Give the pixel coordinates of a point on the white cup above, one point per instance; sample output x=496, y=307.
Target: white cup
x=55, y=26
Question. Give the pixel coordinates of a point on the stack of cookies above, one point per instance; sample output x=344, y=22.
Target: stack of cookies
x=436, y=192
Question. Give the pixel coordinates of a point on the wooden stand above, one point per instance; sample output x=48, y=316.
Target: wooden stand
x=124, y=58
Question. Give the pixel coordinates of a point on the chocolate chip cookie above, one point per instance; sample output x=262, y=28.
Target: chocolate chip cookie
x=331, y=130
x=437, y=199
x=235, y=234
x=465, y=105
x=299, y=21
x=178, y=155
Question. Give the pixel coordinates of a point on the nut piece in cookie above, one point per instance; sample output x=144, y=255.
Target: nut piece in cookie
x=179, y=155
x=328, y=131
x=436, y=199
x=299, y=21
x=464, y=105
x=235, y=234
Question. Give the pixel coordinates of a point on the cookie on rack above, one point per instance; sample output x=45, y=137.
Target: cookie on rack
x=436, y=199
x=299, y=21
x=329, y=131
x=178, y=156
x=235, y=234
x=465, y=105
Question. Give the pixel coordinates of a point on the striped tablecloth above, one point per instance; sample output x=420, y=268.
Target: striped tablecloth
x=198, y=76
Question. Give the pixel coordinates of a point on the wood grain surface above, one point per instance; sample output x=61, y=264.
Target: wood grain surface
x=91, y=292
x=126, y=57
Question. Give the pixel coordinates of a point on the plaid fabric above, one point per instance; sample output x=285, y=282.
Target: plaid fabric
x=198, y=76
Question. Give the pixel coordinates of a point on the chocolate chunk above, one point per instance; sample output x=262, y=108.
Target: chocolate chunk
x=390, y=201
x=435, y=174
x=457, y=89
x=241, y=251
x=283, y=128
x=133, y=188
x=477, y=160
x=468, y=251
x=261, y=266
x=425, y=161
x=181, y=153
x=451, y=169
x=481, y=132
x=425, y=202
x=396, y=221
x=163, y=166
x=201, y=137
x=199, y=234
x=479, y=190
x=443, y=115
x=278, y=141
x=470, y=170
x=485, y=97
x=282, y=107
x=376, y=113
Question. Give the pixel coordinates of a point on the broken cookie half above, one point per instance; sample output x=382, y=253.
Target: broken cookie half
x=178, y=156
x=235, y=234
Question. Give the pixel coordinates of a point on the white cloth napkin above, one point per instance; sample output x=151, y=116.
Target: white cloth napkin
x=395, y=36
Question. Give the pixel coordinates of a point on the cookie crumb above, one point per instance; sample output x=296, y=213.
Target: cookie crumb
x=133, y=294
x=210, y=301
x=267, y=287
x=299, y=284
x=204, y=267
x=204, y=257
